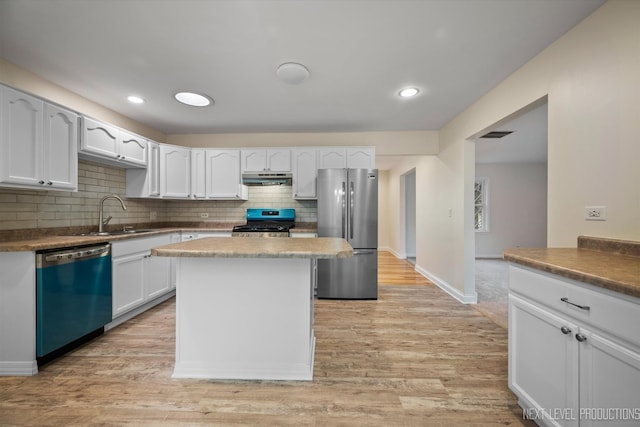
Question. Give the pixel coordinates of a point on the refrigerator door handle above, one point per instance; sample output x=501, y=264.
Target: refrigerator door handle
x=351, y=206
x=344, y=208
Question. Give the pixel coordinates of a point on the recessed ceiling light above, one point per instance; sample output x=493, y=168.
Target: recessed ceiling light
x=292, y=73
x=408, y=92
x=135, y=99
x=193, y=99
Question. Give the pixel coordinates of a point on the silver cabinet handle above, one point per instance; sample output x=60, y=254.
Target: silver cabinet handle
x=581, y=307
x=565, y=330
x=581, y=337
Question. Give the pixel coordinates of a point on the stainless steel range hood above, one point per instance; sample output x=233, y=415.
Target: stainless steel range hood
x=266, y=178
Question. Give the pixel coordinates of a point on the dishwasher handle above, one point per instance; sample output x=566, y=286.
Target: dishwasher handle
x=68, y=255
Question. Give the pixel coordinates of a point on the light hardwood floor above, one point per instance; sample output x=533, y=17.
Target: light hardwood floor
x=414, y=357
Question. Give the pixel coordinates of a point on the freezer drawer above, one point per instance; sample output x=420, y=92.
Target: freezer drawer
x=349, y=278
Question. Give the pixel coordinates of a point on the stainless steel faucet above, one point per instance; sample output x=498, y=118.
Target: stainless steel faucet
x=102, y=222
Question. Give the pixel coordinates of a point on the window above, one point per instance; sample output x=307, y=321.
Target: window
x=481, y=201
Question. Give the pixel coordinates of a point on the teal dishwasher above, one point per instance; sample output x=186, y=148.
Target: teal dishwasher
x=74, y=299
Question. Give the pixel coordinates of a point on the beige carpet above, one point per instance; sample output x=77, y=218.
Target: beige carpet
x=492, y=278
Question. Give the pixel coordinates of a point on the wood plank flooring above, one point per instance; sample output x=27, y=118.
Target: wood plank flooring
x=414, y=357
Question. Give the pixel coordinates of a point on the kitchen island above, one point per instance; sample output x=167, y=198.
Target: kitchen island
x=244, y=306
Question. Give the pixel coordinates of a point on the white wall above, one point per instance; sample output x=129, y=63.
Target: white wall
x=517, y=207
x=410, y=213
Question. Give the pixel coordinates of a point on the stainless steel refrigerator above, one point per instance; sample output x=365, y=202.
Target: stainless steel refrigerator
x=348, y=208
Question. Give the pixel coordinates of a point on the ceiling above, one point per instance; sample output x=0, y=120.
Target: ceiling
x=359, y=54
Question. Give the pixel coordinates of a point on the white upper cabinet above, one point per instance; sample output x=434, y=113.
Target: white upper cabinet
x=332, y=157
x=106, y=143
x=146, y=182
x=198, y=173
x=346, y=157
x=305, y=171
x=38, y=143
x=223, y=175
x=175, y=171
x=361, y=158
x=266, y=160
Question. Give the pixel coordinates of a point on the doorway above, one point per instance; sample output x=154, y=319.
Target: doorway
x=511, y=185
x=410, y=215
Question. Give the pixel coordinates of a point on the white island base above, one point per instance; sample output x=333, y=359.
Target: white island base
x=244, y=318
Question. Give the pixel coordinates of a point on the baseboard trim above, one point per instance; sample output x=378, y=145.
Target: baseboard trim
x=489, y=256
x=393, y=252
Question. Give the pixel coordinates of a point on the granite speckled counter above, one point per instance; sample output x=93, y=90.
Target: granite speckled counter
x=244, y=247
x=606, y=263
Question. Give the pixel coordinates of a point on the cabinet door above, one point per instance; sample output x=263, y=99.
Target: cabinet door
x=128, y=282
x=132, y=149
x=305, y=172
x=21, y=153
x=99, y=138
x=60, y=167
x=158, y=279
x=279, y=160
x=254, y=160
x=334, y=157
x=609, y=378
x=543, y=363
x=361, y=158
x=198, y=175
x=223, y=174
x=175, y=171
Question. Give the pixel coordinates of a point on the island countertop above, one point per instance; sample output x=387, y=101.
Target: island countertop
x=248, y=247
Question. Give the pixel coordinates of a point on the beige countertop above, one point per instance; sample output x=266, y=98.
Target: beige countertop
x=611, y=270
x=36, y=240
x=247, y=247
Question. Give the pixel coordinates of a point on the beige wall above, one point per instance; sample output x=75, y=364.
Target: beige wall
x=386, y=143
x=21, y=79
x=591, y=79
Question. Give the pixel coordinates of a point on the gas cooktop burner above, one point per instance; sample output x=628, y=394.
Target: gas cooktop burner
x=262, y=227
x=267, y=221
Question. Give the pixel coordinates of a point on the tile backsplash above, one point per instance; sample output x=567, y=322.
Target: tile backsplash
x=24, y=209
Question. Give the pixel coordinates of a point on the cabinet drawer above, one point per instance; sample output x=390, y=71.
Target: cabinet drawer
x=142, y=244
x=618, y=316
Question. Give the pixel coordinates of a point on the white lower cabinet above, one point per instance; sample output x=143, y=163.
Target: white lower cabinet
x=574, y=352
x=137, y=276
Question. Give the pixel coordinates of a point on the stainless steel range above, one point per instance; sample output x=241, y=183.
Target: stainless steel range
x=266, y=223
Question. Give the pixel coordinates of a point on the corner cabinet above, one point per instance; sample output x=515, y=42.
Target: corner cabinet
x=146, y=182
x=38, y=143
x=574, y=350
x=109, y=144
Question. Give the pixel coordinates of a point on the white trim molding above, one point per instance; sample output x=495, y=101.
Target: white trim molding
x=454, y=292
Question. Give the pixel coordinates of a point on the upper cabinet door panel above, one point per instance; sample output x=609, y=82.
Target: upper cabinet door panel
x=279, y=160
x=60, y=147
x=99, y=138
x=175, y=171
x=334, y=157
x=133, y=148
x=254, y=160
x=223, y=174
x=361, y=158
x=21, y=138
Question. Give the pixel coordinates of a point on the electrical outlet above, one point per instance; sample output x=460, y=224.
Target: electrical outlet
x=595, y=213
x=153, y=215
x=204, y=215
